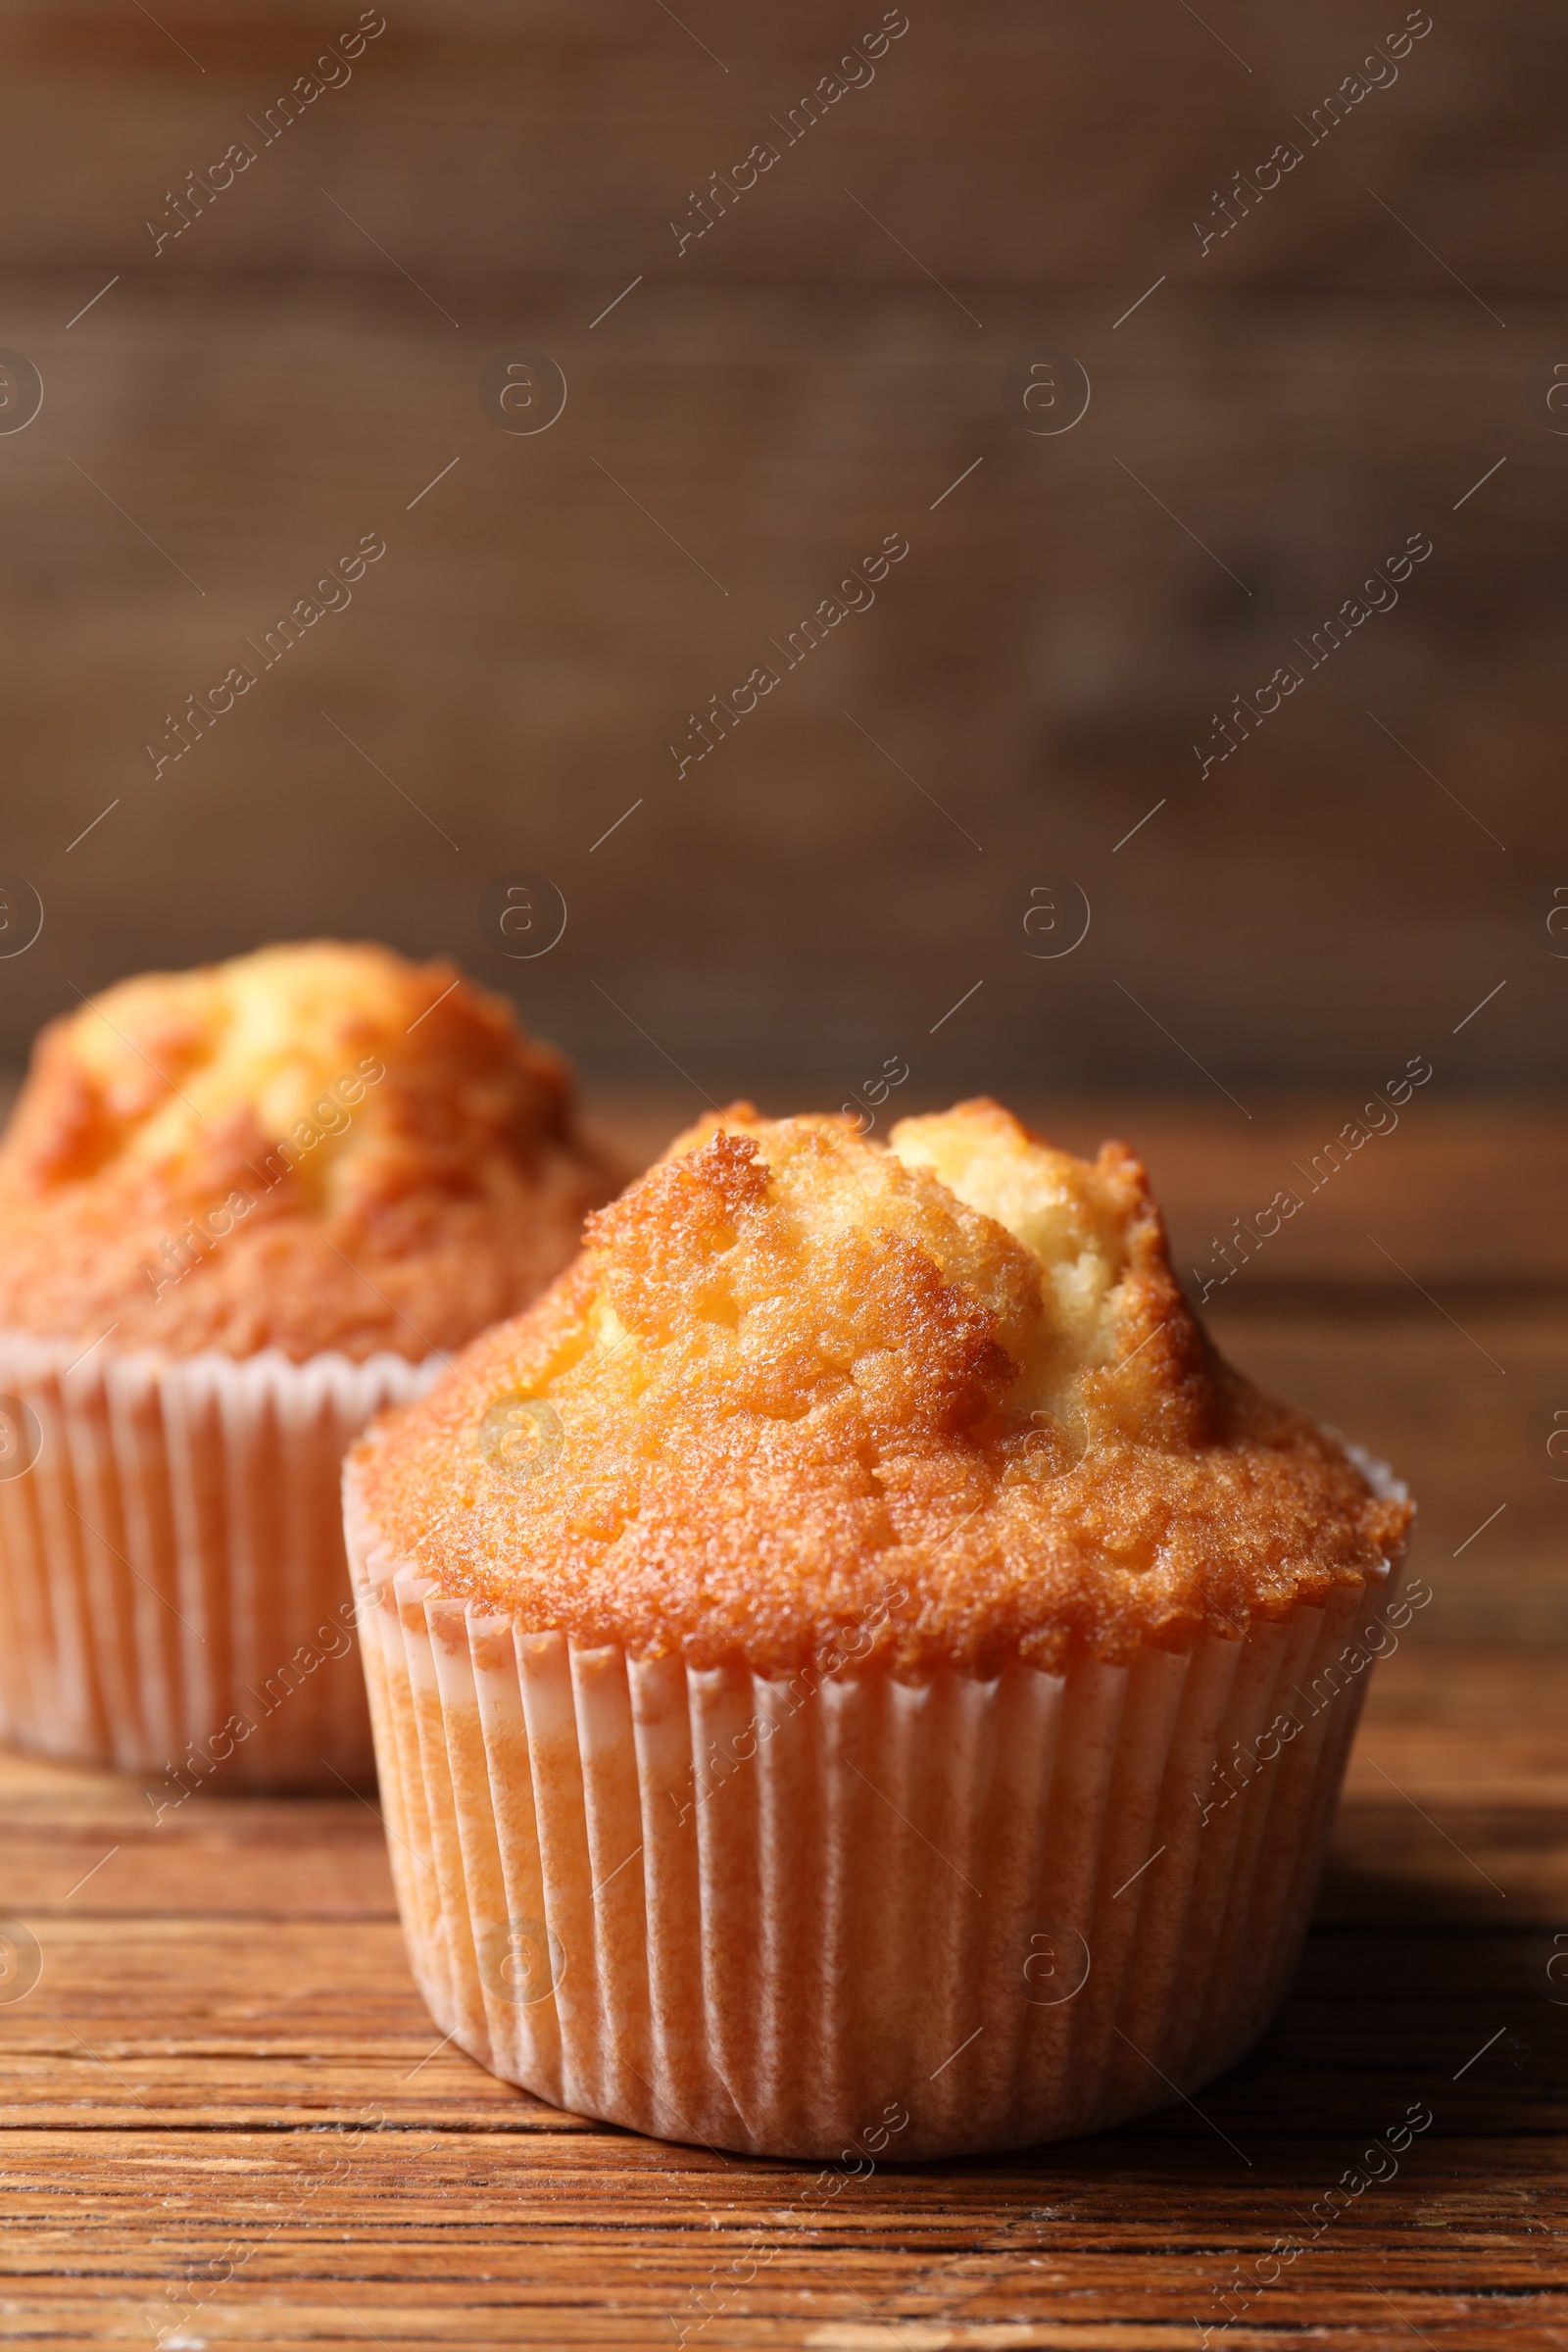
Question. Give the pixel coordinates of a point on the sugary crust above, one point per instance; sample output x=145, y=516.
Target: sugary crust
x=796, y=1384
x=315, y=1146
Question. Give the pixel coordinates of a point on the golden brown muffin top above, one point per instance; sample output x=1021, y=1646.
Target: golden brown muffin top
x=946, y=1391
x=314, y=1147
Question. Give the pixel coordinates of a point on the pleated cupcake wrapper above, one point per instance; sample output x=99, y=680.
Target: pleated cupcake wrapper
x=773, y=1915
x=172, y=1562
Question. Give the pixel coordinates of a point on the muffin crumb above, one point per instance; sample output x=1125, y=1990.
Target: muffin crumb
x=795, y=1371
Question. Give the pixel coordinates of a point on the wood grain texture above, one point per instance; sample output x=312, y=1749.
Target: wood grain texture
x=758, y=410
x=225, y=2116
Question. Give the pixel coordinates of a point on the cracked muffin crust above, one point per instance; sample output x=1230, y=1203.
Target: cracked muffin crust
x=316, y=1146
x=947, y=1388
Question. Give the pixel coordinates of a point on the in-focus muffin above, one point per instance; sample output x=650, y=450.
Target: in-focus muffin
x=241, y=1208
x=853, y=1651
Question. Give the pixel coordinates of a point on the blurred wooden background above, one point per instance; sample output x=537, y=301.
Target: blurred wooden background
x=235, y=409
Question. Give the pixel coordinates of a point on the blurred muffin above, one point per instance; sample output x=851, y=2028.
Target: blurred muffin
x=853, y=1651
x=240, y=1210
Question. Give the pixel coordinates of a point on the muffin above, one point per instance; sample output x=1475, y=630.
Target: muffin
x=241, y=1209
x=853, y=1671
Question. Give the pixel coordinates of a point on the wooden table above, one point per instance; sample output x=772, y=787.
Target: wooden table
x=227, y=2116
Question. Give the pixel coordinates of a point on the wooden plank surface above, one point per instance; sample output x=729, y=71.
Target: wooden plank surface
x=1290, y=402
x=225, y=2116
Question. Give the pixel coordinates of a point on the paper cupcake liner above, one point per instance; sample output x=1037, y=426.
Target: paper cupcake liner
x=775, y=1916
x=173, y=1595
